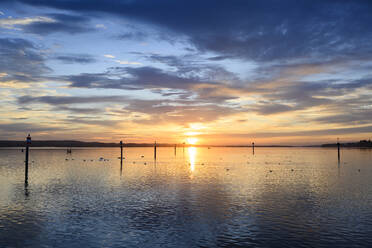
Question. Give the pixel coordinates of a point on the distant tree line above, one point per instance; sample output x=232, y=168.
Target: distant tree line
x=362, y=143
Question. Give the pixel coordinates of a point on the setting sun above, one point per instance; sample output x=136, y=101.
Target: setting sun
x=191, y=140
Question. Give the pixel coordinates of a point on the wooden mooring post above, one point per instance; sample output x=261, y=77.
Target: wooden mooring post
x=28, y=143
x=338, y=150
x=253, y=147
x=155, y=150
x=175, y=149
x=121, y=154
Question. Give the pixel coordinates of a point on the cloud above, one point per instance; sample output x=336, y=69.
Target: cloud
x=132, y=78
x=356, y=117
x=65, y=23
x=267, y=108
x=91, y=121
x=284, y=95
x=156, y=111
x=310, y=133
x=13, y=23
x=101, y=26
x=50, y=23
x=79, y=110
x=187, y=77
x=180, y=112
x=208, y=83
x=26, y=127
x=219, y=58
x=124, y=62
x=194, y=67
x=21, y=60
x=133, y=35
x=109, y=56
x=75, y=58
x=250, y=29
x=61, y=100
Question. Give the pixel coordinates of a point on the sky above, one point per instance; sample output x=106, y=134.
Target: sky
x=283, y=72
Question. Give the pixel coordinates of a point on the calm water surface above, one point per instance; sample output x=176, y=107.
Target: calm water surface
x=218, y=197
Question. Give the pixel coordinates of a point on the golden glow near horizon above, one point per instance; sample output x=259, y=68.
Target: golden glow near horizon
x=192, y=140
x=192, y=157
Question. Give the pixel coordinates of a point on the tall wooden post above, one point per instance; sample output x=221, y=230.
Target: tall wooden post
x=28, y=143
x=175, y=149
x=121, y=154
x=155, y=150
x=253, y=147
x=338, y=150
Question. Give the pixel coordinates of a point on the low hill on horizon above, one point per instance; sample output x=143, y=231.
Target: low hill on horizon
x=360, y=144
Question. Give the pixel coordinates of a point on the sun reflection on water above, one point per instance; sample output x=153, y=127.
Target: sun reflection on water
x=192, y=157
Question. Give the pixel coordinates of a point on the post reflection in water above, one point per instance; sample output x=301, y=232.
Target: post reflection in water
x=26, y=190
x=192, y=157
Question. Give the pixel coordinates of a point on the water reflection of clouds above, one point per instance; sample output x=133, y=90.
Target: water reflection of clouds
x=20, y=224
x=246, y=205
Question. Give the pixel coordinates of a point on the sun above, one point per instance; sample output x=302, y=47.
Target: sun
x=191, y=140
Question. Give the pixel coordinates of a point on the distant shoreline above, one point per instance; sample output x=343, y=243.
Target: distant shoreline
x=74, y=143
x=360, y=144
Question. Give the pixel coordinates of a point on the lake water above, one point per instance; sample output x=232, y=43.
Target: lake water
x=218, y=197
